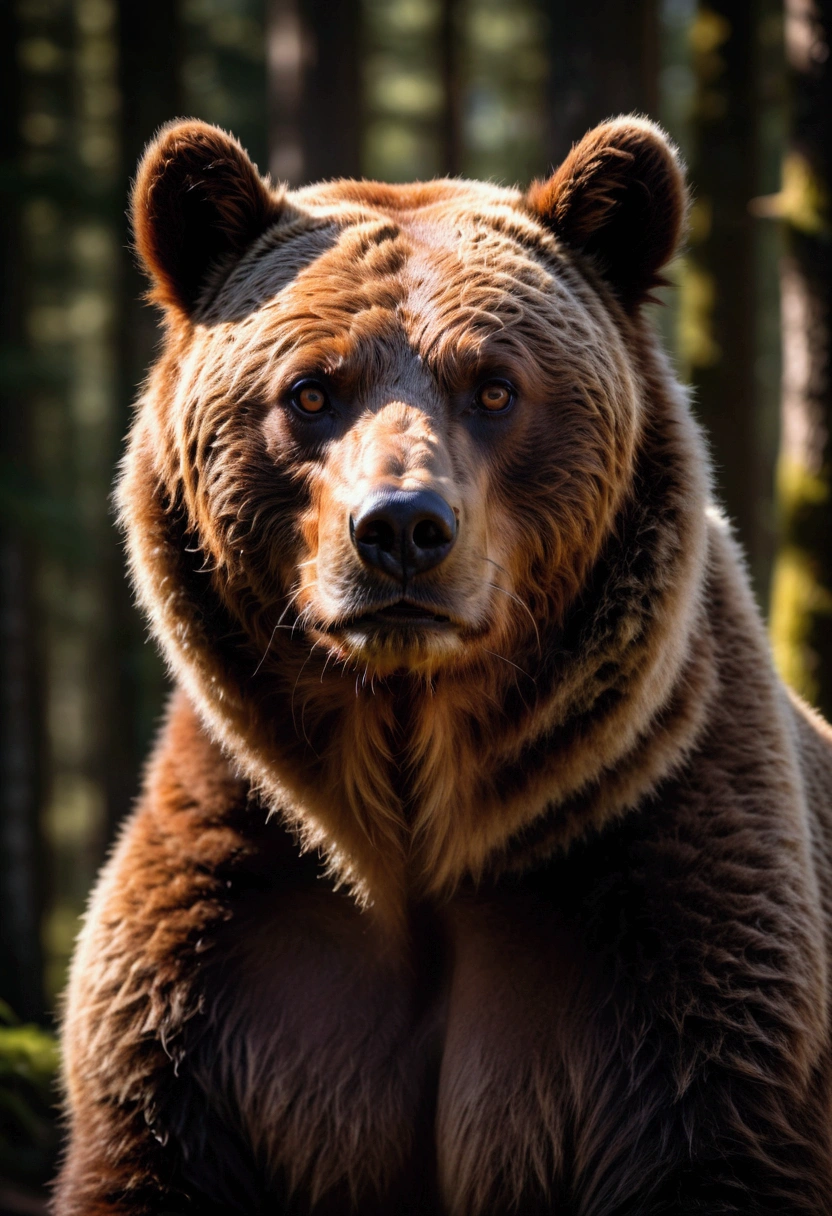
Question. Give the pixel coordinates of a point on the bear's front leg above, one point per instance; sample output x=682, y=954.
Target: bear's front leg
x=138, y=1123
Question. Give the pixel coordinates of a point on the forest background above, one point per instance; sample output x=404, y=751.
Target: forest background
x=394, y=89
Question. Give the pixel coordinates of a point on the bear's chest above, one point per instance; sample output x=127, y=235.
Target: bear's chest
x=357, y=1067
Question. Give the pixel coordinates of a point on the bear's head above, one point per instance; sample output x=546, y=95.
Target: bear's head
x=411, y=499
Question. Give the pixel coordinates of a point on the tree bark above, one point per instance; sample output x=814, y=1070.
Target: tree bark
x=21, y=955
x=451, y=133
x=802, y=585
x=131, y=683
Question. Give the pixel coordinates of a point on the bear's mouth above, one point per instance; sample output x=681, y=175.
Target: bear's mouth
x=402, y=614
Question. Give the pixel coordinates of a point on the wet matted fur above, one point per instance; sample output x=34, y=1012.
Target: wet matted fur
x=520, y=904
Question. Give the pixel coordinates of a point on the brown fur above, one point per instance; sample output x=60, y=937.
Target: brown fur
x=529, y=912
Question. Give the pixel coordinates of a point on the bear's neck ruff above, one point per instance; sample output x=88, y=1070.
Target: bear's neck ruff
x=409, y=788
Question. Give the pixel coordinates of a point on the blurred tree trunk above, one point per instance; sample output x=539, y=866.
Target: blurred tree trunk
x=21, y=956
x=719, y=297
x=604, y=61
x=131, y=682
x=802, y=586
x=314, y=89
x=450, y=118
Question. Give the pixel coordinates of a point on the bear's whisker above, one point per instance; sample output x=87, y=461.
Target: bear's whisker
x=292, y=598
x=525, y=607
x=522, y=671
x=305, y=704
x=294, y=691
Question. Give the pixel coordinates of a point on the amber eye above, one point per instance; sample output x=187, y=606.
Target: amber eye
x=495, y=395
x=309, y=397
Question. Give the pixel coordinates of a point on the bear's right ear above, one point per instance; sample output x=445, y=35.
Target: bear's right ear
x=197, y=201
x=619, y=197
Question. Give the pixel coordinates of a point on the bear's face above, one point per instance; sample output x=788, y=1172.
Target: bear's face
x=402, y=418
x=410, y=444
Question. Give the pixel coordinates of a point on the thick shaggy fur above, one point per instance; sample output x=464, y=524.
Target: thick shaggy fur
x=528, y=912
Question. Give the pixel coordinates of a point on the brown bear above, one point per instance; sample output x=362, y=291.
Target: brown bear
x=484, y=865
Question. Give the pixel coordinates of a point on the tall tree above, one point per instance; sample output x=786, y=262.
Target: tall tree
x=604, y=61
x=450, y=116
x=20, y=686
x=719, y=298
x=149, y=49
x=314, y=88
x=802, y=587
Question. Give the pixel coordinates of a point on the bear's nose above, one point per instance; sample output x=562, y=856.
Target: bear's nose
x=403, y=532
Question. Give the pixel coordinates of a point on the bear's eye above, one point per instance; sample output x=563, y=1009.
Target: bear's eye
x=309, y=397
x=495, y=396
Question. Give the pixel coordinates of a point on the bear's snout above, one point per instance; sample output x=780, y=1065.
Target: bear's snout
x=403, y=532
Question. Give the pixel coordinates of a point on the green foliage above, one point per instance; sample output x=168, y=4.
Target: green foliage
x=28, y=1067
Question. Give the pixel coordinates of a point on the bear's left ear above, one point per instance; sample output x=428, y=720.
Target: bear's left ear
x=619, y=196
x=197, y=202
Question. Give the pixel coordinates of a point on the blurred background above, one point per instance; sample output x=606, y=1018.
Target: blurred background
x=394, y=89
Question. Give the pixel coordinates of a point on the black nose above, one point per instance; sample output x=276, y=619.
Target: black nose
x=403, y=532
